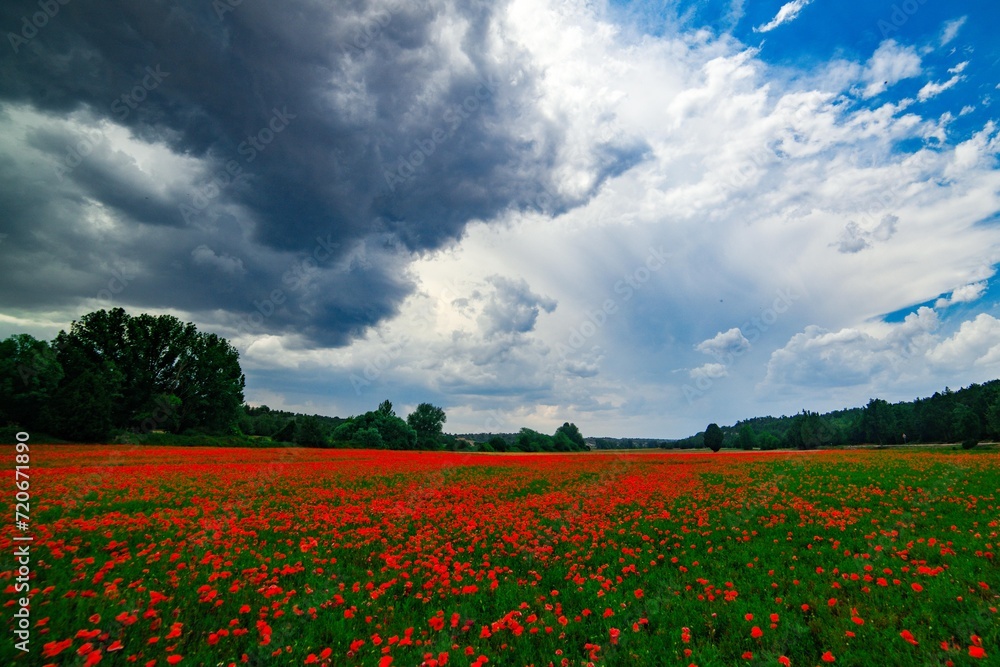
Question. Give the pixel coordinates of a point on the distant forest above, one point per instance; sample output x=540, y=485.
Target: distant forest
x=967, y=416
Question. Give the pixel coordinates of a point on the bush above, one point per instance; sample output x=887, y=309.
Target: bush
x=969, y=443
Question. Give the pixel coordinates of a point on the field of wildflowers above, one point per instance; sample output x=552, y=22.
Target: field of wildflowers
x=198, y=556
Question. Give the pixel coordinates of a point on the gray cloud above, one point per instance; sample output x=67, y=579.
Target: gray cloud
x=854, y=238
x=512, y=307
x=357, y=123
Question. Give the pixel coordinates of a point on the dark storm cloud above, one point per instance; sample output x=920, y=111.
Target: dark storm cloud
x=340, y=125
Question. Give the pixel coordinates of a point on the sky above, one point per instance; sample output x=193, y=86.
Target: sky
x=640, y=217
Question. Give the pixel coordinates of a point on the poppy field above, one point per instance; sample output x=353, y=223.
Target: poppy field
x=200, y=556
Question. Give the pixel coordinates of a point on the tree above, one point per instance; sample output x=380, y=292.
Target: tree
x=497, y=444
x=427, y=420
x=29, y=377
x=529, y=440
x=877, y=421
x=83, y=407
x=573, y=434
x=747, y=438
x=286, y=433
x=808, y=431
x=768, y=441
x=713, y=437
x=144, y=357
x=309, y=433
x=393, y=432
x=993, y=416
x=966, y=425
x=211, y=385
x=370, y=438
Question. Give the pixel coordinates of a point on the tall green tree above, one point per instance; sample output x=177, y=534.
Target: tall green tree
x=966, y=425
x=572, y=433
x=428, y=422
x=713, y=437
x=878, y=422
x=747, y=438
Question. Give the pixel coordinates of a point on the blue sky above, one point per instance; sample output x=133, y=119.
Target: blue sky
x=640, y=217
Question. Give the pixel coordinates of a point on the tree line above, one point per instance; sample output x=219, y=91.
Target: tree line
x=966, y=416
x=114, y=375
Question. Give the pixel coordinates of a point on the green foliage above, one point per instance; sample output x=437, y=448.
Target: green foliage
x=809, y=431
x=113, y=371
x=747, y=439
x=369, y=438
x=310, y=433
x=286, y=433
x=573, y=434
x=29, y=376
x=993, y=416
x=529, y=440
x=496, y=444
x=393, y=432
x=966, y=426
x=161, y=413
x=713, y=437
x=427, y=421
x=878, y=422
x=83, y=408
x=768, y=441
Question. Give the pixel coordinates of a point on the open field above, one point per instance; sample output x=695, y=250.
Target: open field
x=197, y=556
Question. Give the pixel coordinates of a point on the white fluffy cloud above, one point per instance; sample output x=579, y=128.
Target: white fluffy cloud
x=965, y=294
x=890, y=64
x=731, y=342
x=788, y=12
x=976, y=343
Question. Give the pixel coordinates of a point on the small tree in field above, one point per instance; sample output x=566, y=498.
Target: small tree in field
x=713, y=437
